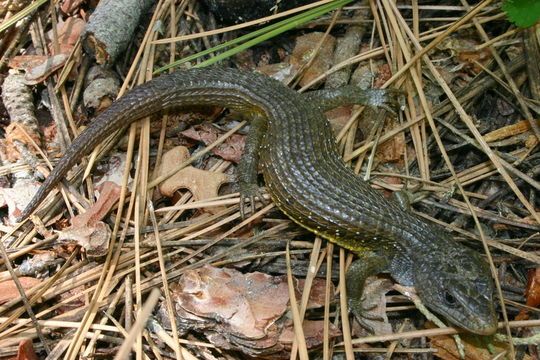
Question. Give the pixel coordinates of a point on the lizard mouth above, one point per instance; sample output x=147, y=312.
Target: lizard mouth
x=480, y=324
x=478, y=319
x=486, y=331
x=482, y=327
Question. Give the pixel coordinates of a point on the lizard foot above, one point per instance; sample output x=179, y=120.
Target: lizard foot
x=370, y=309
x=250, y=193
x=387, y=99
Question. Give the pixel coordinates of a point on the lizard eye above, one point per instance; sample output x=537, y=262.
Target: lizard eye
x=449, y=299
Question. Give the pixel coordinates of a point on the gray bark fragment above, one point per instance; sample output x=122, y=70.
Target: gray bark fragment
x=347, y=47
x=111, y=28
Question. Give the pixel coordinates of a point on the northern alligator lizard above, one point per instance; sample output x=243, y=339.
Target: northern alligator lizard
x=293, y=142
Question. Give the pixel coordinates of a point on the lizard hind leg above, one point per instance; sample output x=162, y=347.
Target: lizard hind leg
x=249, y=165
x=360, y=304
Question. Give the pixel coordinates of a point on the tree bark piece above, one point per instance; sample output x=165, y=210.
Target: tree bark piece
x=111, y=27
x=347, y=47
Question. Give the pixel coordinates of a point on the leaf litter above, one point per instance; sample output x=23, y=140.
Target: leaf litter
x=131, y=270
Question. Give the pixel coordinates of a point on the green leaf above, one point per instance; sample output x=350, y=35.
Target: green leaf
x=523, y=13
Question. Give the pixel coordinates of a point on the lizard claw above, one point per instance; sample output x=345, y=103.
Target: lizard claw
x=387, y=99
x=250, y=193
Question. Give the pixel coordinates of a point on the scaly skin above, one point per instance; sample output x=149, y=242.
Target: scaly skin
x=312, y=185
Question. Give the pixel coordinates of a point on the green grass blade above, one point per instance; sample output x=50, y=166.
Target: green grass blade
x=258, y=36
x=21, y=14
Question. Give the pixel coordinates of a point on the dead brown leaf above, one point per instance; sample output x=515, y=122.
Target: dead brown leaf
x=69, y=33
x=313, y=333
x=230, y=150
x=38, y=68
x=70, y=6
x=109, y=193
x=246, y=304
x=393, y=149
x=26, y=351
x=94, y=239
x=242, y=312
x=476, y=347
x=471, y=58
x=87, y=230
x=26, y=62
x=17, y=132
x=281, y=71
x=532, y=293
x=8, y=289
x=202, y=184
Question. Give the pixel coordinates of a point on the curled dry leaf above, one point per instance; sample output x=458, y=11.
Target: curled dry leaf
x=246, y=303
x=42, y=67
x=230, y=150
x=201, y=183
x=241, y=312
x=26, y=62
x=109, y=193
x=281, y=71
x=471, y=59
x=87, y=230
x=94, y=239
x=8, y=289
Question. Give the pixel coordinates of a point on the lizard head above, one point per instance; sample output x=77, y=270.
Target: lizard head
x=458, y=286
